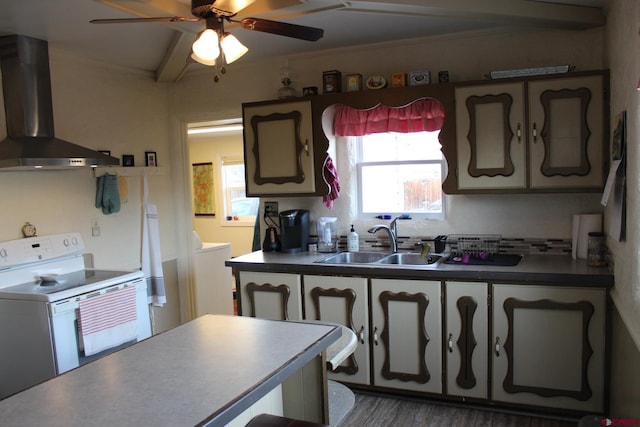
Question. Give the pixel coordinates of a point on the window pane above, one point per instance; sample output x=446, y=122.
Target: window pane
x=402, y=188
x=384, y=147
x=235, y=201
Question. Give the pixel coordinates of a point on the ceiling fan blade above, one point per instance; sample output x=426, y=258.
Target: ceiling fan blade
x=133, y=20
x=282, y=29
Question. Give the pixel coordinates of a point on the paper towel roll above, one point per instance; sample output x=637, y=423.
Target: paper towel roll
x=583, y=224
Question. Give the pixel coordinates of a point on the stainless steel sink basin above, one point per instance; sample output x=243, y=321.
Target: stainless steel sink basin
x=399, y=258
x=353, y=258
x=410, y=258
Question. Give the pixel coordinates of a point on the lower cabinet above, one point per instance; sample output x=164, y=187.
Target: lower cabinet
x=407, y=334
x=276, y=296
x=518, y=344
x=342, y=300
x=466, y=334
x=549, y=346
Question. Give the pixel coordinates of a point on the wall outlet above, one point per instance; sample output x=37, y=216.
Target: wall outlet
x=271, y=209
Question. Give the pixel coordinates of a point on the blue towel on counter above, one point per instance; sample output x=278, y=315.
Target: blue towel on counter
x=107, y=195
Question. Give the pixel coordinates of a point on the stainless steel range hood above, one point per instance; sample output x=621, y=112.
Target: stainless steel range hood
x=26, y=84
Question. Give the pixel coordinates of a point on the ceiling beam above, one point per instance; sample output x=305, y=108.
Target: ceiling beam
x=176, y=58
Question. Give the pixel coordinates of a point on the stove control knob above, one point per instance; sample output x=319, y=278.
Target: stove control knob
x=3, y=253
x=74, y=241
x=65, y=242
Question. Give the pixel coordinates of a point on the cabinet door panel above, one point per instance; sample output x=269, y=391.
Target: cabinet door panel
x=275, y=296
x=566, y=135
x=466, y=339
x=342, y=300
x=278, y=148
x=490, y=146
x=407, y=334
x=549, y=346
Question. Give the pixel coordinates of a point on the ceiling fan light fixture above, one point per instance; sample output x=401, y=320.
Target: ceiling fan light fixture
x=209, y=62
x=205, y=48
x=232, y=47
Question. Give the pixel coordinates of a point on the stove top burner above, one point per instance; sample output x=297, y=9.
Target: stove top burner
x=63, y=285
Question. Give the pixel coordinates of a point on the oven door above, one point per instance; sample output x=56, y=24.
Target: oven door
x=67, y=342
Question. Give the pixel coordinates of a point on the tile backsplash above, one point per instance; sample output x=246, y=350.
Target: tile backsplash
x=507, y=245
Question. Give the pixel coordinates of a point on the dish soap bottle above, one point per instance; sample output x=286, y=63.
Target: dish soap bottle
x=353, y=241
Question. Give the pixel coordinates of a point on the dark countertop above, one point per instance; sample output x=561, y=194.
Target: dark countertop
x=205, y=372
x=535, y=269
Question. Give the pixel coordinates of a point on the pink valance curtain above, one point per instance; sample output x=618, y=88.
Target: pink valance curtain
x=424, y=114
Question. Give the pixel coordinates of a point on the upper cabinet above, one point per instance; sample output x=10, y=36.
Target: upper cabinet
x=531, y=135
x=286, y=146
x=280, y=155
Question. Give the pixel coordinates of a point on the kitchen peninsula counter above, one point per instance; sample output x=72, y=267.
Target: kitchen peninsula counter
x=542, y=269
x=205, y=372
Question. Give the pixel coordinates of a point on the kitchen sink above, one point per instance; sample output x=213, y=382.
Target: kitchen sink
x=353, y=258
x=399, y=258
x=410, y=258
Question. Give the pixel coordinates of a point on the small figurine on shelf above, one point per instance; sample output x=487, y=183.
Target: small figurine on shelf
x=287, y=90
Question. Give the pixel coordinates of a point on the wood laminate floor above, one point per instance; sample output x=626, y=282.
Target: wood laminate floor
x=377, y=411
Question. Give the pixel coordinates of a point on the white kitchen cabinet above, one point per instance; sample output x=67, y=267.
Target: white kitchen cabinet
x=533, y=135
x=276, y=296
x=278, y=149
x=567, y=144
x=214, y=285
x=342, y=300
x=549, y=346
x=491, y=152
x=467, y=339
x=407, y=334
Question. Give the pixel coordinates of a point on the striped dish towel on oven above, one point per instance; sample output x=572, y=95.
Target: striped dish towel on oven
x=108, y=320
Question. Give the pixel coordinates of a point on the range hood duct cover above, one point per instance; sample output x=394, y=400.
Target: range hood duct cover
x=26, y=85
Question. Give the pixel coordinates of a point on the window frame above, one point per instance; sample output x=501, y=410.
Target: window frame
x=244, y=220
x=439, y=216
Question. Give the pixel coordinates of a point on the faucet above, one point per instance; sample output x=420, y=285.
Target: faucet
x=392, y=230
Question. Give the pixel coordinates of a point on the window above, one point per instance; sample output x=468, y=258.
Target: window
x=236, y=203
x=400, y=173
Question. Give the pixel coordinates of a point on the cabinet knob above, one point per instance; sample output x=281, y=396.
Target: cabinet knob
x=450, y=343
x=361, y=334
x=497, y=346
x=375, y=335
x=519, y=132
x=306, y=147
x=535, y=133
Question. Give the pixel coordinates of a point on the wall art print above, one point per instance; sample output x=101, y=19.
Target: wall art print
x=203, y=200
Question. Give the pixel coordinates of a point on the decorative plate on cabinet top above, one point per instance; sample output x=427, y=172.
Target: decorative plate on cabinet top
x=375, y=82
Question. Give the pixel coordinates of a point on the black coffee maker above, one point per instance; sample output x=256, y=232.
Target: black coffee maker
x=294, y=230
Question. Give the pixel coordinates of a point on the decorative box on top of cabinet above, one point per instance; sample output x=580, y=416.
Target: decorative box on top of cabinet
x=531, y=135
x=282, y=157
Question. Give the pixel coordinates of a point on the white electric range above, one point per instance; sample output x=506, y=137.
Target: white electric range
x=43, y=283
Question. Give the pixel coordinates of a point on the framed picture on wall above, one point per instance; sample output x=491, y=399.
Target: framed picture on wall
x=128, y=160
x=150, y=158
x=203, y=200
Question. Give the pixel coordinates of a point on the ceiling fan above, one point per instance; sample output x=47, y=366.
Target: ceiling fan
x=213, y=45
